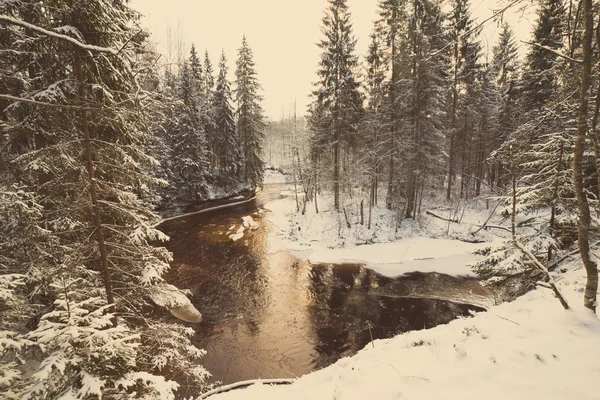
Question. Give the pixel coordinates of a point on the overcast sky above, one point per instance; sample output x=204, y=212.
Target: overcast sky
x=283, y=35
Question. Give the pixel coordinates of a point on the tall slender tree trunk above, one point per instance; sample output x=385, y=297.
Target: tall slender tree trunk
x=555, y=198
x=392, y=111
x=591, y=288
x=594, y=131
x=513, y=176
x=453, y=127
x=336, y=171
x=93, y=191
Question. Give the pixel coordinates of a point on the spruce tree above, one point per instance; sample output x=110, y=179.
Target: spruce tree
x=423, y=109
x=391, y=27
x=188, y=137
x=250, y=119
x=465, y=51
x=225, y=139
x=91, y=268
x=539, y=79
x=375, y=122
x=207, y=113
x=337, y=96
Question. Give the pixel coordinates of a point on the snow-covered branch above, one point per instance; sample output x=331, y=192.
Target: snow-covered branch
x=553, y=51
x=44, y=104
x=238, y=385
x=18, y=22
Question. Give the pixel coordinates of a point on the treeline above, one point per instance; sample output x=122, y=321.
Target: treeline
x=86, y=114
x=211, y=146
x=429, y=111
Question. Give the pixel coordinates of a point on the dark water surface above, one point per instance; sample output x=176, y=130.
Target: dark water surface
x=275, y=316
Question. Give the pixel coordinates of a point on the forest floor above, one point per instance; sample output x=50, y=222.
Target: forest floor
x=424, y=244
x=530, y=348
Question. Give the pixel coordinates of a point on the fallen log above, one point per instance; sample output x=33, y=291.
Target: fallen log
x=442, y=218
x=243, y=384
x=497, y=227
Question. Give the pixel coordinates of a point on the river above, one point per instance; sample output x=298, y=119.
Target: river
x=276, y=316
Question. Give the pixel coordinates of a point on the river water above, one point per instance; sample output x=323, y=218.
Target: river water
x=276, y=316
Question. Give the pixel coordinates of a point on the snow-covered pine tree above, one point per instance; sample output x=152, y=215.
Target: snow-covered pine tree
x=508, y=115
x=538, y=154
x=82, y=163
x=423, y=71
x=391, y=28
x=539, y=80
x=375, y=122
x=250, y=119
x=207, y=112
x=226, y=140
x=465, y=51
x=188, y=139
x=197, y=74
x=337, y=97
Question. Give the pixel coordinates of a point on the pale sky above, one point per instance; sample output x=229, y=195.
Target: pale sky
x=283, y=36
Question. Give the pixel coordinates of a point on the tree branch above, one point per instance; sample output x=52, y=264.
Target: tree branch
x=44, y=104
x=551, y=50
x=544, y=270
x=18, y=22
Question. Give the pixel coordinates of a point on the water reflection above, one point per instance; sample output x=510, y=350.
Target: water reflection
x=274, y=316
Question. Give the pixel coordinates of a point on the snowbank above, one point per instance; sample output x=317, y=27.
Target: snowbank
x=325, y=238
x=274, y=176
x=528, y=349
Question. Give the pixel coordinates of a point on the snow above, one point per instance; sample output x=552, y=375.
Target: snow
x=238, y=235
x=176, y=301
x=424, y=245
x=274, y=176
x=528, y=349
x=249, y=222
x=408, y=255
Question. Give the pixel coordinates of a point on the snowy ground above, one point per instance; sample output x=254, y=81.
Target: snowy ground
x=529, y=349
x=274, y=176
x=426, y=244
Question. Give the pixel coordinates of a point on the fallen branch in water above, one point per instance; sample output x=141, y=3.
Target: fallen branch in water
x=243, y=384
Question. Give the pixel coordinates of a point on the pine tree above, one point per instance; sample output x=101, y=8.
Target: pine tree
x=225, y=140
x=375, y=122
x=337, y=95
x=250, y=119
x=187, y=132
x=391, y=27
x=425, y=78
x=90, y=266
x=464, y=57
x=539, y=79
x=207, y=112
x=197, y=74
x=508, y=113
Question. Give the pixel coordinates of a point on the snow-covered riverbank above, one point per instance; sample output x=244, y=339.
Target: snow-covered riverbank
x=528, y=349
x=427, y=244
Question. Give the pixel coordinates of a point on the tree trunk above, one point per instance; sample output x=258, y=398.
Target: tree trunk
x=336, y=171
x=514, y=194
x=555, y=198
x=93, y=192
x=591, y=289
